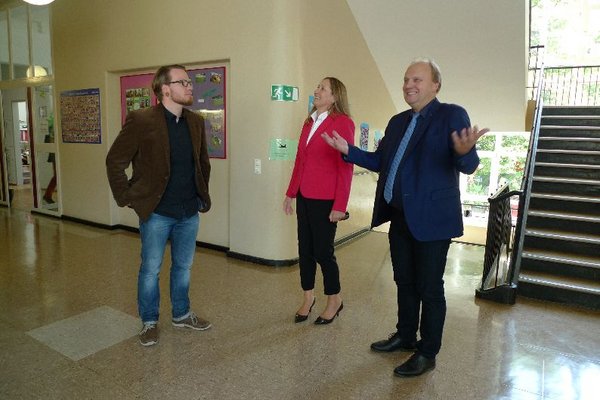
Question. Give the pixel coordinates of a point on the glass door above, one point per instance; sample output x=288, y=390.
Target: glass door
x=16, y=155
x=45, y=155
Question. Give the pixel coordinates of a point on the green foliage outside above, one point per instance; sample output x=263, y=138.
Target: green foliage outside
x=479, y=182
x=511, y=171
x=486, y=143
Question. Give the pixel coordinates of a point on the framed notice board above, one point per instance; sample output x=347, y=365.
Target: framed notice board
x=209, y=90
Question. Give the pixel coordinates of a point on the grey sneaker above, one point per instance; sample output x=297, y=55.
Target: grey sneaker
x=149, y=335
x=193, y=322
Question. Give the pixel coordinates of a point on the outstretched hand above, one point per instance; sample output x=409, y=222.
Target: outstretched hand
x=466, y=139
x=336, y=141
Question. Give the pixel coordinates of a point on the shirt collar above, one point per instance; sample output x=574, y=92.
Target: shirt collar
x=170, y=116
x=426, y=109
x=321, y=117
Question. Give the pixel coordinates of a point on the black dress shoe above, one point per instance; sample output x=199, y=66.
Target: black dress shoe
x=302, y=318
x=415, y=365
x=393, y=343
x=323, y=321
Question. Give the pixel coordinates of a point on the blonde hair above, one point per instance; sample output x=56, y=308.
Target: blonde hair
x=436, y=73
x=340, y=95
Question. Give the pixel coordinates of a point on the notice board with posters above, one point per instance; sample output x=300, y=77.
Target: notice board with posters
x=80, y=116
x=209, y=91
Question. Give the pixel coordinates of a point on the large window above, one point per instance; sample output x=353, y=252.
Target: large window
x=503, y=156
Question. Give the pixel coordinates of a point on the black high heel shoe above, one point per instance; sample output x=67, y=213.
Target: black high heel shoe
x=302, y=318
x=323, y=321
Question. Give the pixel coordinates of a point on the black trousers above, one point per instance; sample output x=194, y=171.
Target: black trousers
x=315, y=244
x=419, y=276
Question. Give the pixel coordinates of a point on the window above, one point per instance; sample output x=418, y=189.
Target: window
x=19, y=41
x=502, y=159
x=25, y=44
x=4, y=60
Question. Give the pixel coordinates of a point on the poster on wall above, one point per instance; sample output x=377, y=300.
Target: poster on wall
x=364, y=136
x=136, y=93
x=80, y=116
x=209, y=101
x=208, y=88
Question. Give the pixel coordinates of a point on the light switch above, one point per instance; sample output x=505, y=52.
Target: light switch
x=257, y=166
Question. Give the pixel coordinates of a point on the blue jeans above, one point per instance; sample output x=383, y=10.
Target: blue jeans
x=155, y=232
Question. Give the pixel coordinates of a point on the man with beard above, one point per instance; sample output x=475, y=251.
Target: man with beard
x=166, y=146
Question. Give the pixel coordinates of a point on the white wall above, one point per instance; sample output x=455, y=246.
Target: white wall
x=480, y=45
x=266, y=42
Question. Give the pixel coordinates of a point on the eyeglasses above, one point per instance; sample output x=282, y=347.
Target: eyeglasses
x=183, y=82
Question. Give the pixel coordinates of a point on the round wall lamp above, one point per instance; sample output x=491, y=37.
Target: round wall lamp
x=38, y=2
x=37, y=71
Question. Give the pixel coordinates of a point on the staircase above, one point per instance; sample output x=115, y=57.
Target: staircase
x=560, y=259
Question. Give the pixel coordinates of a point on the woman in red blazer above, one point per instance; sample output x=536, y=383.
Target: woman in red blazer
x=320, y=183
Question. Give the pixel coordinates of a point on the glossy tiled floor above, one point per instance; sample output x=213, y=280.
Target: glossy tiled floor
x=68, y=329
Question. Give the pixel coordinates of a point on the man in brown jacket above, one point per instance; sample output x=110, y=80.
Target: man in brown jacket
x=166, y=146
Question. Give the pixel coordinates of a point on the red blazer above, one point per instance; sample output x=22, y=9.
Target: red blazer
x=319, y=171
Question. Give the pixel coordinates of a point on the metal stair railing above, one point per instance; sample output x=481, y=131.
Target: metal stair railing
x=501, y=263
x=525, y=191
x=495, y=282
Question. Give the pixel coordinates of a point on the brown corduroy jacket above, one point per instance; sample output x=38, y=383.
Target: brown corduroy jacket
x=144, y=143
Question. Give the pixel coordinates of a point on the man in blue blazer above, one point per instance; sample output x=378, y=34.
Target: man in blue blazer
x=419, y=160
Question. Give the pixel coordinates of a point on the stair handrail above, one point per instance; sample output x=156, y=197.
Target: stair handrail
x=526, y=183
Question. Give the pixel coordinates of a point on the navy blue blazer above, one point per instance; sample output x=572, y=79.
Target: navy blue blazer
x=429, y=171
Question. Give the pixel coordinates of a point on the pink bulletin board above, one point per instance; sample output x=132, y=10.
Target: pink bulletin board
x=209, y=91
x=136, y=93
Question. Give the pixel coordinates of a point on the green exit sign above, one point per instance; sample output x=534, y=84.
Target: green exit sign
x=284, y=93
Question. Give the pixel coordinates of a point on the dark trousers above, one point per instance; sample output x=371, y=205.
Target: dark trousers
x=419, y=276
x=315, y=244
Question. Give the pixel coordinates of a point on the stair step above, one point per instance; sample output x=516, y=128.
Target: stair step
x=575, y=284
x=567, y=186
x=571, y=220
x=570, y=127
x=561, y=264
x=579, y=244
x=562, y=197
x=567, y=291
x=562, y=151
x=568, y=156
x=564, y=215
x=562, y=258
x=570, y=110
x=561, y=235
x=567, y=165
x=569, y=143
x=567, y=170
x=552, y=201
x=555, y=179
x=571, y=139
x=569, y=131
x=571, y=120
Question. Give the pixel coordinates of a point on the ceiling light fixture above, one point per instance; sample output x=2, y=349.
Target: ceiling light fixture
x=38, y=2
